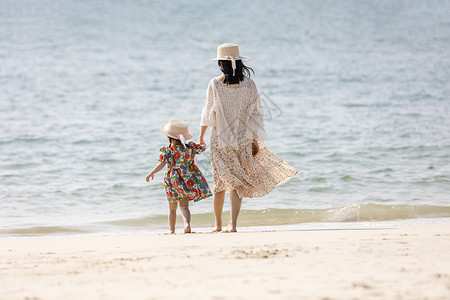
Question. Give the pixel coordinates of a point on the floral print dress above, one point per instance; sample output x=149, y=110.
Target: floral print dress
x=183, y=178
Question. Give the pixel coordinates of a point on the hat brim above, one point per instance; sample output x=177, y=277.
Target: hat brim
x=222, y=58
x=187, y=136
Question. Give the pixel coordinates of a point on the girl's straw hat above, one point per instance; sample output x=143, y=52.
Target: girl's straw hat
x=177, y=129
x=229, y=51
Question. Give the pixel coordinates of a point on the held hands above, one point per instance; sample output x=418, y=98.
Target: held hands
x=202, y=143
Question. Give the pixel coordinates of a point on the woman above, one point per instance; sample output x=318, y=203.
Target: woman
x=240, y=162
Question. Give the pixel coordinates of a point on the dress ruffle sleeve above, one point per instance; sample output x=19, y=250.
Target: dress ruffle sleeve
x=208, y=111
x=195, y=148
x=163, y=155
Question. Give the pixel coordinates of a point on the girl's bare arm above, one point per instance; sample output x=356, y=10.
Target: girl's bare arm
x=155, y=170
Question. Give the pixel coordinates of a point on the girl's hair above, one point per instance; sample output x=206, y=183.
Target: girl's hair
x=241, y=71
x=173, y=141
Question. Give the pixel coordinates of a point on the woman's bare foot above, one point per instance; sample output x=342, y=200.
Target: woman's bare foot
x=229, y=229
x=187, y=229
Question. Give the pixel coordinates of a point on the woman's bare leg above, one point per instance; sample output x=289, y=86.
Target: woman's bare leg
x=186, y=213
x=235, y=208
x=172, y=216
x=218, y=199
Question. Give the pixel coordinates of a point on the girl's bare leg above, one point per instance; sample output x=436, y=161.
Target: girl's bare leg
x=172, y=216
x=186, y=213
x=218, y=199
x=235, y=208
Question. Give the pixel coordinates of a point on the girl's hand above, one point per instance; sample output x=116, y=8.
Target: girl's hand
x=155, y=170
x=202, y=147
x=149, y=176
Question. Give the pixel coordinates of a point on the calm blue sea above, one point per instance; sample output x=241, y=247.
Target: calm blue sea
x=356, y=95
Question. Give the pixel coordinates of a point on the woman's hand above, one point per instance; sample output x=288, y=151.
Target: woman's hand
x=255, y=148
x=202, y=143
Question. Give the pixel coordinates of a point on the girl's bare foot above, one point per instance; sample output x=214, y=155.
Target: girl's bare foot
x=217, y=227
x=187, y=229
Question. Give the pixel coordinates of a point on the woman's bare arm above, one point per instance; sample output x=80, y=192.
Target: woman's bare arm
x=202, y=135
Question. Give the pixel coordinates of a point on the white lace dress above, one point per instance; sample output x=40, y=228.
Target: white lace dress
x=236, y=115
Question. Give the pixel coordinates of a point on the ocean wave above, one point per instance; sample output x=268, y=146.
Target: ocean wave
x=369, y=212
x=41, y=230
x=276, y=217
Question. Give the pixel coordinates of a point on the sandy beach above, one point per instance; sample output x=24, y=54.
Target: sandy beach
x=398, y=262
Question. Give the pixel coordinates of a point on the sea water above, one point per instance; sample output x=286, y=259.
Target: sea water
x=356, y=96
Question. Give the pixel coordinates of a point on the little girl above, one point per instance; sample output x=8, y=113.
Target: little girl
x=183, y=181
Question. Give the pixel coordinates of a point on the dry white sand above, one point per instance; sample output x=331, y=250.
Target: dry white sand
x=400, y=262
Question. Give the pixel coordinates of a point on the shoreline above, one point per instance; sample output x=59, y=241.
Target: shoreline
x=385, y=262
x=259, y=219
x=72, y=231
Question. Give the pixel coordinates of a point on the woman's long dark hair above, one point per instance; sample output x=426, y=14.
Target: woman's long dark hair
x=241, y=71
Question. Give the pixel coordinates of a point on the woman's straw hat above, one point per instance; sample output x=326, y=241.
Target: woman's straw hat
x=229, y=51
x=177, y=129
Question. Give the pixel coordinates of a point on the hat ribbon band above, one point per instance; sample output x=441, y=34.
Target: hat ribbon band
x=179, y=135
x=233, y=62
